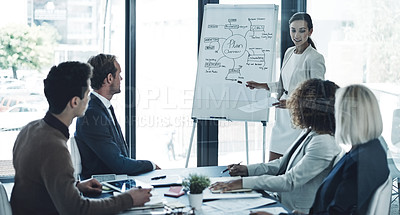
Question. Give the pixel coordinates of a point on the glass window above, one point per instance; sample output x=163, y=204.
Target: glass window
x=166, y=57
x=5, y=102
x=63, y=30
x=12, y=103
x=359, y=40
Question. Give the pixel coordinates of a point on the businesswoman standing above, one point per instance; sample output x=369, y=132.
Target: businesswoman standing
x=301, y=62
x=298, y=174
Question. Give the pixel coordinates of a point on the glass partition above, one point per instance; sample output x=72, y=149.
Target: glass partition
x=166, y=59
x=37, y=34
x=359, y=40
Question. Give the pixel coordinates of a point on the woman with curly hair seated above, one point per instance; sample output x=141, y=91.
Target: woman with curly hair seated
x=297, y=175
x=360, y=182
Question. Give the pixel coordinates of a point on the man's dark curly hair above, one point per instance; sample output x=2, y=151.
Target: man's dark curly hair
x=65, y=81
x=312, y=106
x=102, y=64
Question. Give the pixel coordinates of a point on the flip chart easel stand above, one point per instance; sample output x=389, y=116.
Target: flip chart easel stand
x=195, y=120
x=191, y=142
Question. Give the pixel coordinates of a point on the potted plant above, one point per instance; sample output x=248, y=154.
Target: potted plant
x=195, y=184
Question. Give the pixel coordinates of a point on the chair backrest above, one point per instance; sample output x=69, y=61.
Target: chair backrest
x=5, y=207
x=76, y=158
x=395, y=137
x=380, y=202
x=383, y=143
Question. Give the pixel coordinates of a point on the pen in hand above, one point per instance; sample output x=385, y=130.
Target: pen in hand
x=158, y=177
x=228, y=168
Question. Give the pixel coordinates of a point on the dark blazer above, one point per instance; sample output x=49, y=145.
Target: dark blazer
x=350, y=186
x=348, y=189
x=102, y=149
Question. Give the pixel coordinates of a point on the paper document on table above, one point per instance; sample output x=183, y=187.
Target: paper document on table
x=208, y=195
x=260, y=105
x=271, y=210
x=105, y=177
x=156, y=201
x=230, y=205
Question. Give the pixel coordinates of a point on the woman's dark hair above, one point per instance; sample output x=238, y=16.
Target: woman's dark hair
x=65, y=81
x=103, y=64
x=312, y=106
x=307, y=18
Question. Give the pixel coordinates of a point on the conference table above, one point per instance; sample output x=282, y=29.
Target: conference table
x=183, y=201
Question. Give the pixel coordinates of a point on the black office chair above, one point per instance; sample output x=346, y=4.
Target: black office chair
x=395, y=136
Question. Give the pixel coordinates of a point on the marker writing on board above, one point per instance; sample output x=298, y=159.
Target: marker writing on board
x=240, y=82
x=217, y=117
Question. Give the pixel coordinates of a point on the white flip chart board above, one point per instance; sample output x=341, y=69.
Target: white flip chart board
x=237, y=45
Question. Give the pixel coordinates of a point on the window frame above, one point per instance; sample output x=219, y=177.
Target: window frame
x=207, y=130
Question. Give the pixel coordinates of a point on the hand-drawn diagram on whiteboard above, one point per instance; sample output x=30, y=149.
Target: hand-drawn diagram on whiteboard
x=237, y=44
x=246, y=38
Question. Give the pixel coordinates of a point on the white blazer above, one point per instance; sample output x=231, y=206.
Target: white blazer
x=307, y=168
x=311, y=65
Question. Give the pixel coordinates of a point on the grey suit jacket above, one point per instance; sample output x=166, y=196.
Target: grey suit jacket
x=307, y=168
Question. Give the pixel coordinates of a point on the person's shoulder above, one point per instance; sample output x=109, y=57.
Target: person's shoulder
x=313, y=53
x=32, y=124
x=95, y=107
x=95, y=116
x=290, y=50
x=373, y=146
x=288, y=53
x=325, y=141
x=326, y=137
x=94, y=101
x=50, y=138
x=372, y=149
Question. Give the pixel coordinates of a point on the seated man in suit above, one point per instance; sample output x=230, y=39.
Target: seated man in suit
x=98, y=135
x=44, y=180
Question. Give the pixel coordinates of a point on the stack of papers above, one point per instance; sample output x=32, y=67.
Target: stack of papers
x=156, y=201
x=208, y=195
x=157, y=205
x=148, y=206
x=232, y=205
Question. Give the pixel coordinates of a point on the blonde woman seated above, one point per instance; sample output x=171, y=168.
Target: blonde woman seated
x=349, y=188
x=297, y=175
